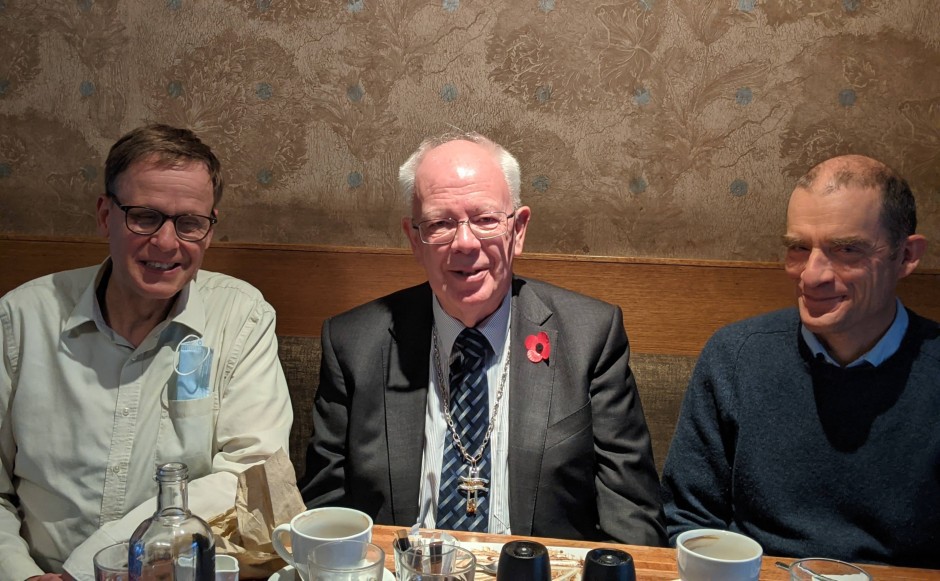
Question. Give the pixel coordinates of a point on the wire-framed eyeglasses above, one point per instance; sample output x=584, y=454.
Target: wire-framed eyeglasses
x=147, y=221
x=483, y=226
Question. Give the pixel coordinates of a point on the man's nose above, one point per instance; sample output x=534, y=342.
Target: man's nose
x=464, y=238
x=165, y=238
x=818, y=268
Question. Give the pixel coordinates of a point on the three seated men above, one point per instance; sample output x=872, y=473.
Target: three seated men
x=479, y=400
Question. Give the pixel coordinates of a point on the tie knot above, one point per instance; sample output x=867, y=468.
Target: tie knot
x=471, y=344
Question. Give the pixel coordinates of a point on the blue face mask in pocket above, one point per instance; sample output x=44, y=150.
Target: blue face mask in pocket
x=193, y=368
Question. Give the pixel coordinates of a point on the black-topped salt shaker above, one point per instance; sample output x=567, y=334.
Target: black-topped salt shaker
x=524, y=561
x=608, y=565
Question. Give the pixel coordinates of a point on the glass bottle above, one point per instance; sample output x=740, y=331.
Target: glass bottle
x=174, y=544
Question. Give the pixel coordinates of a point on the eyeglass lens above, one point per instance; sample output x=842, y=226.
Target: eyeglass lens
x=482, y=226
x=148, y=221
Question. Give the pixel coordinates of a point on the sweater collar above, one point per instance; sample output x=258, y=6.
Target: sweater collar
x=885, y=347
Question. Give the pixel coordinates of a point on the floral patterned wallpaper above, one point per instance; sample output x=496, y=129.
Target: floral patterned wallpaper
x=663, y=128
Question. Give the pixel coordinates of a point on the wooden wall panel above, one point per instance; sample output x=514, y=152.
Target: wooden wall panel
x=670, y=306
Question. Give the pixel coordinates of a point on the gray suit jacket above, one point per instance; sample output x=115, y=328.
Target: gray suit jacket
x=580, y=461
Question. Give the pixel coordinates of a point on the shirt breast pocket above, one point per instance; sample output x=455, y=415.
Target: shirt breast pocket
x=186, y=433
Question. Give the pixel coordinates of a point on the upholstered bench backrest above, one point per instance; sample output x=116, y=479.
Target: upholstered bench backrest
x=670, y=306
x=661, y=380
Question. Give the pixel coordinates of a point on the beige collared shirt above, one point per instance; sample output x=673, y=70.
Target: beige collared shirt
x=85, y=417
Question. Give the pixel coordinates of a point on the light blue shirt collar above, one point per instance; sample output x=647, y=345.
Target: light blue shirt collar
x=495, y=327
x=884, y=348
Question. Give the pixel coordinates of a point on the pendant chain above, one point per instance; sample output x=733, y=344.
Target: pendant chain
x=445, y=397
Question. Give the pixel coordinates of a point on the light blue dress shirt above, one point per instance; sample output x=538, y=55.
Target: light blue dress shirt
x=883, y=349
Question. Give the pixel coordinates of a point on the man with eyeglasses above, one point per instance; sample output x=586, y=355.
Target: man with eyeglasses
x=481, y=401
x=111, y=369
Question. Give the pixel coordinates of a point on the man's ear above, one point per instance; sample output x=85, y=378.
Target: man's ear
x=411, y=234
x=912, y=250
x=519, y=226
x=102, y=211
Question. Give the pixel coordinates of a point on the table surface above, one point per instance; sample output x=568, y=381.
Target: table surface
x=652, y=563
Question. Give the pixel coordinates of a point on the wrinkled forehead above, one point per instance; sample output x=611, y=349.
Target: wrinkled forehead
x=461, y=169
x=459, y=158
x=843, y=211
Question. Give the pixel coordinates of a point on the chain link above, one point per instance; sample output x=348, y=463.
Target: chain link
x=445, y=397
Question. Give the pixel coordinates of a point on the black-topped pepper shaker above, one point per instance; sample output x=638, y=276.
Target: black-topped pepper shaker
x=608, y=565
x=524, y=561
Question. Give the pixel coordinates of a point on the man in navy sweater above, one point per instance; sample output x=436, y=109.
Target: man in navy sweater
x=814, y=430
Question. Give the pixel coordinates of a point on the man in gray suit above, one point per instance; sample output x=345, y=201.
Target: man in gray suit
x=479, y=400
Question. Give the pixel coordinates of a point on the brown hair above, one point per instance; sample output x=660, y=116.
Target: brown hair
x=898, y=208
x=169, y=147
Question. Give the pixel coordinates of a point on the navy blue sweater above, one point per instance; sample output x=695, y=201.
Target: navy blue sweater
x=809, y=459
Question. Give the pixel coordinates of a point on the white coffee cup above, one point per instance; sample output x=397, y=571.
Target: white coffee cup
x=310, y=529
x=716, y=555
x=226, y=568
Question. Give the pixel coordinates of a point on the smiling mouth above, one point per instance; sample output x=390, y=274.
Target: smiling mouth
x=468, y=273
x=820, y=305
x=822, y=299
x=163, y=266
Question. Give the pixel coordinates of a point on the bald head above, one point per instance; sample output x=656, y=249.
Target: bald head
x=898, y=210
x=507, y=163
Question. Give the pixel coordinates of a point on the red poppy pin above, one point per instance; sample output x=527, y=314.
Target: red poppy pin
x=537, y=347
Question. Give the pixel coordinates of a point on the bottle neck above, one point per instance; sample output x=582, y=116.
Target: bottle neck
x=173, y=497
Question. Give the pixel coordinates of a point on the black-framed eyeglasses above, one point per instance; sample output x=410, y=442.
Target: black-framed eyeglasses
x=147, y=221
x=483, y=226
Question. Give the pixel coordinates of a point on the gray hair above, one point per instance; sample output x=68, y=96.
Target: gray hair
x=508, y=163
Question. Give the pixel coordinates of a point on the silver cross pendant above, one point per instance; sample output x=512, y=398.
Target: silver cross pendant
x=473, y=485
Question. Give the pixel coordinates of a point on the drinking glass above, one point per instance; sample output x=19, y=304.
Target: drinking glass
x=346, y=561
x=450, y=563
x=826, y=570
x=111, y=563
x=423, y=539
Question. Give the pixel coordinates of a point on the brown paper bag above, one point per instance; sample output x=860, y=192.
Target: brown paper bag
x=267, y=497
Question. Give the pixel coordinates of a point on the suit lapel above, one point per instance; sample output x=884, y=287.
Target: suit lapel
x=406, y=359
x=530, y=395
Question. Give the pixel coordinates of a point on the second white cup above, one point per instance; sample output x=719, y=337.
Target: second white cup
x=312, y=528
x=712, y=554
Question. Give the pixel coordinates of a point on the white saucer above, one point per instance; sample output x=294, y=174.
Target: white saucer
x=287, y=574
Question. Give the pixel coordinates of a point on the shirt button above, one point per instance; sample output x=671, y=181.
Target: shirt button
x=125, y=411
x=115, y=469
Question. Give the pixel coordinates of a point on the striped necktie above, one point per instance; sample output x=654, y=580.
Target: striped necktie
x=469, y=409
